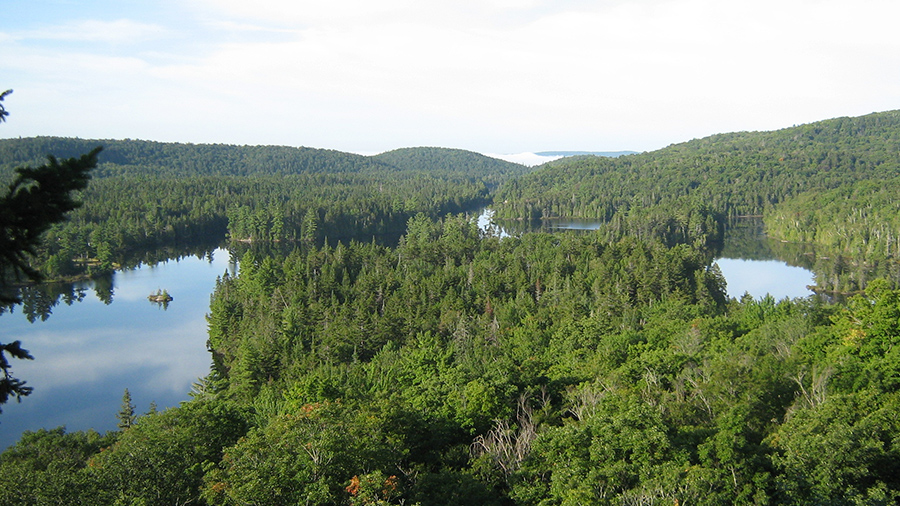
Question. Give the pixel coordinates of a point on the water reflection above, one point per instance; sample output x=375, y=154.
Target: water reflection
x=753, y=263
x=745, y=238
x=761, y=277
x=518, y=227
x=105, y=337
x=834, y=273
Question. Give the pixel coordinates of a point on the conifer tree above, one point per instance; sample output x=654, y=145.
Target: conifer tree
x=126, y=414
x=36, y=199
x=3, y=113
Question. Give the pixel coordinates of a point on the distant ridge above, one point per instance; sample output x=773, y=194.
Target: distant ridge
x=610, y=154
x=172, y=159
x=532, y=159
x=840, y=162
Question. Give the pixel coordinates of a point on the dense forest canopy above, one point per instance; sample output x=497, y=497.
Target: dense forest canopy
x=148, y=158
x=146, y=195
x=784, y=175
x=456, y=367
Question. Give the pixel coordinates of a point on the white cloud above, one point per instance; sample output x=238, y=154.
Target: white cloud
x=486, y=75
x=287, y=12
x=91, y=30
x=529, y=159
x=234, y=26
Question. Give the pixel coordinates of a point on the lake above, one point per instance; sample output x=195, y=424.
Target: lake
x=761, y=277
x=86, y=353
x=751, y=262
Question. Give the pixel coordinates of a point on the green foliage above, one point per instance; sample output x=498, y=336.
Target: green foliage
x=49, y=467
x=623, y=443
x=11, y=386
x=37, y=198
x=456, y=367
x=832, y=183
x=3, y=112
x=307, y=455
x=869, y=332
x=162, y=458
x=457, y=161
x=148, y=195
x=544, y=369
x=842, y=451
x=126, y=414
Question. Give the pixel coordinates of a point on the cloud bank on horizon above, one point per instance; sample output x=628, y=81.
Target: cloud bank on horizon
x=499, y=76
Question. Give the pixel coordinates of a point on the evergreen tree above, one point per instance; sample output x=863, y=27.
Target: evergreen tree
x=36, y=199
x=10, y=386
x=3, y=113
x=126, y=414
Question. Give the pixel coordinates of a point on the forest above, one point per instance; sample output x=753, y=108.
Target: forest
x=146, y=195
x=453, y=366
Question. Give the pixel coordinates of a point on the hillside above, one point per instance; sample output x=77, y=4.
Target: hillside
x=161, y=159
x=136, y=157
x=744, y=173
x=451, y=160
x=831, y=185
x=147, y=195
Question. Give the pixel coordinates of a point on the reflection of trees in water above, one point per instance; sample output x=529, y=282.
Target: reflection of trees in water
x=833, y=272
x=103, y=288
x=162, y=304
x=201, y=248
x=519, y=227
x=845, y=275
x=161, y=298
x=745, y=238
x=38, y=301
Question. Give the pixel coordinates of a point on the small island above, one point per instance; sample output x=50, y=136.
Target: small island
x=161, y=296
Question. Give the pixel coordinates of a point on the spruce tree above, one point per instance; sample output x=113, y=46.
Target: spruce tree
x=126, y=414
x=35, y=199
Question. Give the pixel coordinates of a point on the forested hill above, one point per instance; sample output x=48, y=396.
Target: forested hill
x=734, y=174
x=148, y=195
x=137, y=157
x=452, y=160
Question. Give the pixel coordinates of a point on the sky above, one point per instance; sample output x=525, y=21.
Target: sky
x=492, y=76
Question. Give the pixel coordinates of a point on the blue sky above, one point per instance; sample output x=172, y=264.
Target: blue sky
x=496, y=76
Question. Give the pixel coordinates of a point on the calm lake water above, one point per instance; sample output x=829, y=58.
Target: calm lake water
x=755, y=264
x=761, y=277
x=87, y=353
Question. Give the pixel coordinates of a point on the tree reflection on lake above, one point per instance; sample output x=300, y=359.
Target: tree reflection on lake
x=92, y=340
